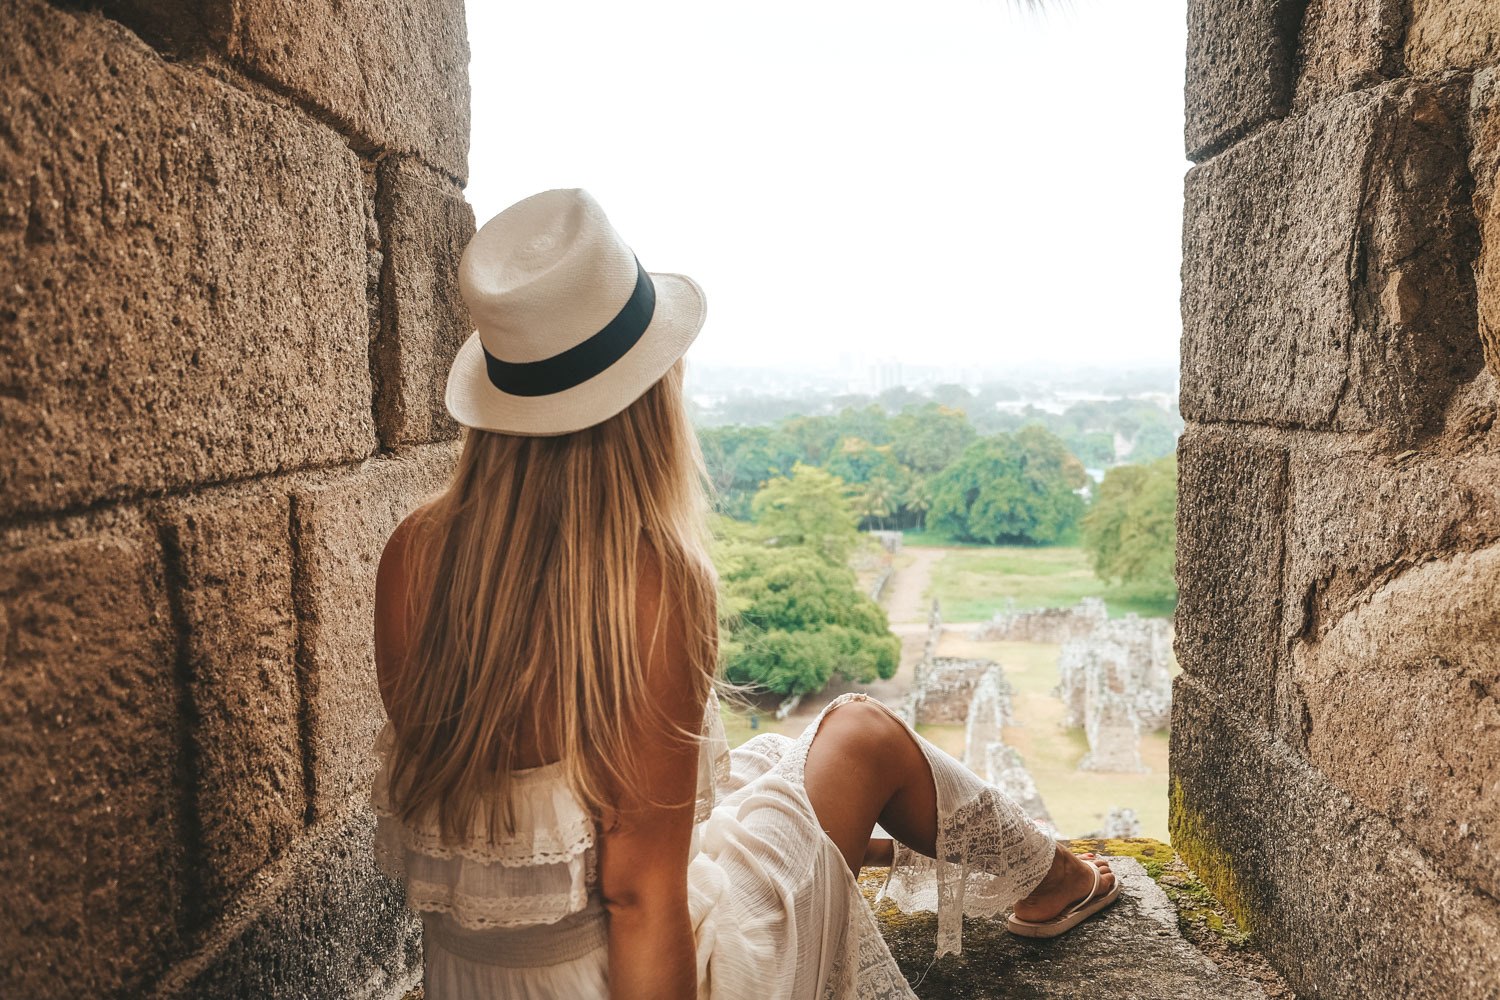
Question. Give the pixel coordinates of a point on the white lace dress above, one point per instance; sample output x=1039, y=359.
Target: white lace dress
x=776, y=912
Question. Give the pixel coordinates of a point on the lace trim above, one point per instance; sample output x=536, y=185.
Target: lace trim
x=480, y=913
x=490, y=911
x=521, y=850
x=990, y=855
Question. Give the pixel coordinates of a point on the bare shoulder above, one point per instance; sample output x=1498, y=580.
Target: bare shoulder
x=392, y=606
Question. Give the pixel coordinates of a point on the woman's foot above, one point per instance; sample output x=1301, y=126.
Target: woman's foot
x=1068, y=881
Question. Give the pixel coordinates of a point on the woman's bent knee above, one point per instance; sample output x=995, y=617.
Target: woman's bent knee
x=862, y=726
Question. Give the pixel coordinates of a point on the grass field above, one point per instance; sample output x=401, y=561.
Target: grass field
x=974, y=582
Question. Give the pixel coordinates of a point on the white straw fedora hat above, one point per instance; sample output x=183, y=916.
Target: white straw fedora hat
x=569, y=328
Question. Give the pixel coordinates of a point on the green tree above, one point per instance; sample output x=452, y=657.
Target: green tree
x=796, y=619
x=877, y=500
x=917, y=500
x=930, y=438
x=868, y=423
x=1011, y=488
x=1095, y=449
x=739, y=459
x=810, y=508
x=1130, y=531
x=856, y=460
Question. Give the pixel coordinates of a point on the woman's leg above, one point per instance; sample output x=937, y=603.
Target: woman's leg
x=863, y=767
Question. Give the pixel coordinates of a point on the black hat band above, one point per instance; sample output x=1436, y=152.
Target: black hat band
x=583, y=361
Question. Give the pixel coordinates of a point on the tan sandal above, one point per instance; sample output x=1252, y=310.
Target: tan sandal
x=1072, y=916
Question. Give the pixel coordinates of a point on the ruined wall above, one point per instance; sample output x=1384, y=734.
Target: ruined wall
x=1336, y=730
x=230, y=234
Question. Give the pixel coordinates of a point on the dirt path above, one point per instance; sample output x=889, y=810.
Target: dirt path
x=907, y=609
x=904, y=594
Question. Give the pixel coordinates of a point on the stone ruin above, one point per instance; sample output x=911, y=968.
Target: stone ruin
x=1135, y=656
x=1043, y=624
x=989, y=711
x=975, y=693
x=944, y=690
x=1120, y=824
x=1116, y=683
x=1114, y=732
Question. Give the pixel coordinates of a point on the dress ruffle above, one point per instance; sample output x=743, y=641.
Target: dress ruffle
x=538, y=874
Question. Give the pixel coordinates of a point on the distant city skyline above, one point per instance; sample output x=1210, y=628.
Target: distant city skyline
x=960, y=182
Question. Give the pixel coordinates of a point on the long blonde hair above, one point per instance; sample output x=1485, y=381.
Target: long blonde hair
x=522, y=584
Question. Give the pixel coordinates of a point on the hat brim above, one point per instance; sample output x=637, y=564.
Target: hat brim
x=473, y=400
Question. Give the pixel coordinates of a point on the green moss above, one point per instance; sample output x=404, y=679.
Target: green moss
x=1199, y=912
x=1152, y=854
x=1194, y=839
x=1198, y=908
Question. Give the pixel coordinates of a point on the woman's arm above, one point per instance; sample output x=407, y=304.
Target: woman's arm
x=643, y=859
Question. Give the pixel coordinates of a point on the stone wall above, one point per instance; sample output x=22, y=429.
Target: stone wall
x=1044, y=624
x=943, y=688
x=1336, y=729
x=231, y=230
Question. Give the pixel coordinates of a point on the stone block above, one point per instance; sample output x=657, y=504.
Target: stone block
x=184, y=274
x=232, y=563
x=327, y=924
x=1232, y=497
x=1452, y=34
x=1347, y=45
x=1327, y=279
x=1131, y=951
x=391, y=76
x=90, y=802
x=425, y=225
x=397, y=73
x=1343, y=905
x=1402, y=709
x=340, y=530
x=1484, y=164
x=1240, y=56
x=1358, y=517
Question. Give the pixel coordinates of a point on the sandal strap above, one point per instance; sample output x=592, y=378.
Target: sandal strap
x=1086, y=900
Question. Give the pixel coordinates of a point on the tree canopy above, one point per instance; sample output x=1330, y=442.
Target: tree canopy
x=794, y=613
x=1010, y=488
x=1130, y=532
x=810, y=508
x=892, y=461
x=798, y=620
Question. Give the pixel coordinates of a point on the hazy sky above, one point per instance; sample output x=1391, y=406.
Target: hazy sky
x=925, y=181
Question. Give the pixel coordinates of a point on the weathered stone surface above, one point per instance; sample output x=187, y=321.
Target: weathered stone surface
x=183, y=280
x=1044, y=624
x=1239, y=68
x=943, y=688
x=1484, y=164
x=425, y=226
x=323, y=923
x=1358, y=517
x=1403, y=711
x=92, y=854
x=1132, y=950
x=397, y=72
x=391, y=76
x=1326, y=268
x=1232, y=498
x=1347, y=45
x=1274, y=839
x=232, y=561
x=1452, y=34
x=340, y=530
